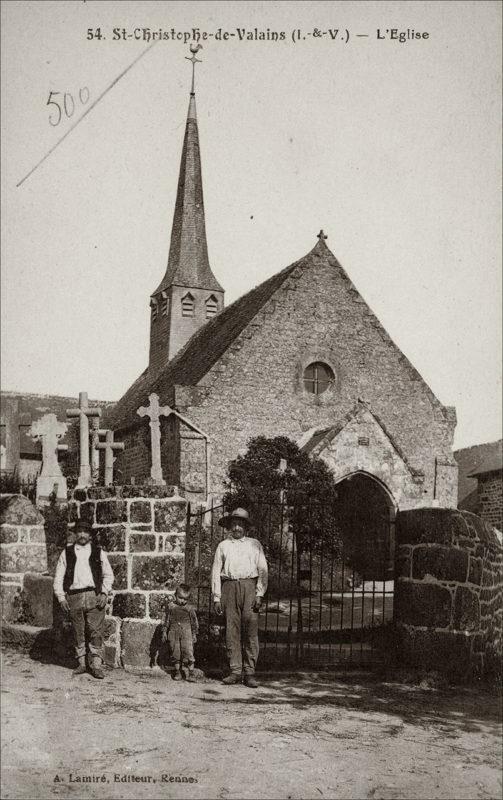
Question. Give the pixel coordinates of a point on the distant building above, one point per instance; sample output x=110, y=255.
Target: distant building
x=481, y=481
x=18, y=451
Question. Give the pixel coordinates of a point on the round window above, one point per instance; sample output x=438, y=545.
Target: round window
x=318, y=377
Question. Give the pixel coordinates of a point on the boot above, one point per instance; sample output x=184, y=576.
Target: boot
x=96, y=668
x=177, y=675
x=81, y=668
x=232, y=678
x=191, y=678
x=250, y=680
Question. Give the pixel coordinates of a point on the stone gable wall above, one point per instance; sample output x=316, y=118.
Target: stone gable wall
x=256, y=387
x=448, y=604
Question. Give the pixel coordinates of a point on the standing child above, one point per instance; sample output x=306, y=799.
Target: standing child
x=180, y=629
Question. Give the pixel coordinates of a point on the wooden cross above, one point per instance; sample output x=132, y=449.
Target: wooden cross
x=12, y=420
x=84, y=412
x=155, y=411
x=109, y=446
x=48, y=430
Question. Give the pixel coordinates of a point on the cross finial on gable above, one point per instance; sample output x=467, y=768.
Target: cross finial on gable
x=322, y=235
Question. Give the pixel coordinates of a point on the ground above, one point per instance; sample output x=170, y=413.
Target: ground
x=305, y=736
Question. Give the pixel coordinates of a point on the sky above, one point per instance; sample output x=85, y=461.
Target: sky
x=393, y=148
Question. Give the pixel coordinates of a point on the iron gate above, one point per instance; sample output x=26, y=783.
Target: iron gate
x=330, y=597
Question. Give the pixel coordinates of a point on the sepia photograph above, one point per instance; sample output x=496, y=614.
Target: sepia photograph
x=251, y=474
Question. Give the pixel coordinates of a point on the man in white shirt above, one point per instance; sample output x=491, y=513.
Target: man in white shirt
x=238, y=584
x=82, y=583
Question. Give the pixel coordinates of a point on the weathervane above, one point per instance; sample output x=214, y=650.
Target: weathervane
x=194, y=48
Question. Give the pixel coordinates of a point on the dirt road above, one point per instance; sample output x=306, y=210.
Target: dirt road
x=148, y=737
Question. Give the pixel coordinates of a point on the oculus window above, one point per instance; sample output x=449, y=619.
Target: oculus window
x=318, y=377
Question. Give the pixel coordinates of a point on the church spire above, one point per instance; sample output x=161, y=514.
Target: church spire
x=189, y=281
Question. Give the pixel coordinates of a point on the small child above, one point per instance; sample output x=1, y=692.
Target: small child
x=180, y=629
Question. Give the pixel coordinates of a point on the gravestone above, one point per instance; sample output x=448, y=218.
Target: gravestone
x=12, y=420
x=49, y=431
x=109, y=446
x=83, y=413
x=154, y=411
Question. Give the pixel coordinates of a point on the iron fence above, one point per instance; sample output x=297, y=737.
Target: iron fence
x=329, y=601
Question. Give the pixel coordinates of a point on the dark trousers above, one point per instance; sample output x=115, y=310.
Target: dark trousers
x=88, y=623
x=180, y=644
x=241, y=624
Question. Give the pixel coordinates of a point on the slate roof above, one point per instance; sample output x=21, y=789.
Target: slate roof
x=207, y=345
x=469, y=460
x=492, y=463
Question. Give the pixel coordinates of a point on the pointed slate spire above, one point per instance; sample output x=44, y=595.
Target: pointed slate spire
x=188, y=263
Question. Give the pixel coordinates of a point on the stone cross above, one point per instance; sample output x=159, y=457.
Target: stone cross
x=322, y=235
x=48, y=430
x=109, y=446
x=83, y=413
x=13, y=420
x=281, y=470
x=155, y=411
x=95, y=453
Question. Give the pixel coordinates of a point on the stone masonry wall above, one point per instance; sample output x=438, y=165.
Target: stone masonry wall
x=142, y=529
x=490, y=497
x=22, y=549
x=448, y=592
x=256, y=387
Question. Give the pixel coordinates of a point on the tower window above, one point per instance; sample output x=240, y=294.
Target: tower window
x=154, y=307
x=188, y=305
x=318, y=377
x=211, y=306
x=164, y=304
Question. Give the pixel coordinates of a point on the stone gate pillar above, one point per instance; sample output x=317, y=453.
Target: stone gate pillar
x=448, y=592
x=22, y=550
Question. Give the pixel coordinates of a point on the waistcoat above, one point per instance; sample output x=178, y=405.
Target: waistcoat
x=94, y=563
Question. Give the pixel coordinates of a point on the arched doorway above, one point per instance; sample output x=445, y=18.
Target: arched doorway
x=366, y=515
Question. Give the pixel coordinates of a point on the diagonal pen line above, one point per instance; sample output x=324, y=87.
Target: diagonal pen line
x=86, y=112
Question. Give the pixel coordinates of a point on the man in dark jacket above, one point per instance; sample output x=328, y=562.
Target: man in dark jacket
x=82, y=583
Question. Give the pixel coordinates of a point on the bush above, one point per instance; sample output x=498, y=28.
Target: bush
x=12, y=483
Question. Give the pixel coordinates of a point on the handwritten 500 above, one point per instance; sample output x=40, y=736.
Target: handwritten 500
x=68, y=105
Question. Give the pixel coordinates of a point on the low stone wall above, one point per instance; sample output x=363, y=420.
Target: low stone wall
x=448, y=593
x=142, y=529
x=22, y=549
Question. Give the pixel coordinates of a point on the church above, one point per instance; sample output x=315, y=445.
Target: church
x=301, y=355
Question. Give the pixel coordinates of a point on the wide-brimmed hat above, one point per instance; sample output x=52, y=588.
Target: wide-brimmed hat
x=82, y=525
x=240, y=514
